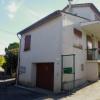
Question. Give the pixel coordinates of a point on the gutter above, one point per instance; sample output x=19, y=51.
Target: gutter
x=41, y=22
x=47, y=19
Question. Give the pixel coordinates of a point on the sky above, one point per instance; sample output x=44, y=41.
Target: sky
x=16, y=15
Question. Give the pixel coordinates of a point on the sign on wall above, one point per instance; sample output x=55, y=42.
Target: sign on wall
x=68, y=70
x=22, y=69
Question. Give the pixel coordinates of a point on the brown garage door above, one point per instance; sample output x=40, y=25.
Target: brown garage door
x=45, y=75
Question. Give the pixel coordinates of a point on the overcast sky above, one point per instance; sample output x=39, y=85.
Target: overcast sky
x=16, y=15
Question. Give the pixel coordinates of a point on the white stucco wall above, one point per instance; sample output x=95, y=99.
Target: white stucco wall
x=92, y=70
x=69, y=23
x=45, y=47
x=85, y=12
x=48, y=43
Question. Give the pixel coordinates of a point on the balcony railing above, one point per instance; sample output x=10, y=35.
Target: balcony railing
x=93, y=54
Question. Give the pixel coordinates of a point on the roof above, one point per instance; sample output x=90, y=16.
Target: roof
x=42, y=21
x=46, y=19
x=91, y=5
x=57, y=14
x=92, y=27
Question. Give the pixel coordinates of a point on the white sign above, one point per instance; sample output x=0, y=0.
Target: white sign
x=22, y=69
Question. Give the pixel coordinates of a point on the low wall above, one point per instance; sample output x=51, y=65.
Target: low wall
x=92, y=70
x=71, y=84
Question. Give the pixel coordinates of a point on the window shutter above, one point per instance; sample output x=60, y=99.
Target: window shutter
x=78, y=33
x=27, y=42
x=77, y=39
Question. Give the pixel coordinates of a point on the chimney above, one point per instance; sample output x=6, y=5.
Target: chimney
x=70, y=6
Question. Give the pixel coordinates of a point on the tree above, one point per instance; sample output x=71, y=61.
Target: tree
x=11, y=58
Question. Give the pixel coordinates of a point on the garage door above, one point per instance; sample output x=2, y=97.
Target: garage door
x=45, y=75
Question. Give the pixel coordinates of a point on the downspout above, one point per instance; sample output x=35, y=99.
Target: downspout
x=61, y=72
x=74, y=84
x=18, y=65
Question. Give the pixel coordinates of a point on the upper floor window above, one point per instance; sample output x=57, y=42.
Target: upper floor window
x=90, y=49
x=89, y=42
x=27, y=42
x=77, y=38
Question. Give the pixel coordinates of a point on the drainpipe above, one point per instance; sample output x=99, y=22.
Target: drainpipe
x=61, y=72
x=18, y=65
x=74, y=72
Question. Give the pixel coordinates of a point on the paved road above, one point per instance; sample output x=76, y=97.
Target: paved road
x=8, y=91
x=15, y=93
x=90, y=92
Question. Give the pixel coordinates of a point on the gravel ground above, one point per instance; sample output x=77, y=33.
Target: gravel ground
x=90, y=92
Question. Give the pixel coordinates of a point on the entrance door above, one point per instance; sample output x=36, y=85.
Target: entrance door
x=45, y=75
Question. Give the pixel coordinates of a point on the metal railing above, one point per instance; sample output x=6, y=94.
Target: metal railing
x=93, y=54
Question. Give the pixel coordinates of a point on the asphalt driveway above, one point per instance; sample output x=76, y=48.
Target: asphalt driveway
x=15, y=93
x=90, y=92
x=11, y=92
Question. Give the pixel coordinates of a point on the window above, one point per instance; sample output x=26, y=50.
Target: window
x=27, y=42
x=89, y=42
x=77, y=38
x=90, y=50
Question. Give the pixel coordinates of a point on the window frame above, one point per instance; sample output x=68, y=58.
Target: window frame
x=77, y=34
x=27, y=43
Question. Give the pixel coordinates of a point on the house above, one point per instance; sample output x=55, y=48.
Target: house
x=62, y=50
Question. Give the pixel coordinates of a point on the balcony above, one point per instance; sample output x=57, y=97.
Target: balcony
x=93, y=54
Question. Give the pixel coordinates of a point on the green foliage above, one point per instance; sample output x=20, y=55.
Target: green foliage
x=13, y=46
x=11, y=58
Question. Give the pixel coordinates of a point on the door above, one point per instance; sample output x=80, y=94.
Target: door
x=89, y=48
x=45, y=75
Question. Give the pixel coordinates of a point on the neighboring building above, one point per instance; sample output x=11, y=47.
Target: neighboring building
x=61, y=51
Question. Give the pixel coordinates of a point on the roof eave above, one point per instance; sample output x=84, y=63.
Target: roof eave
x=83, y=5
x=41, y=22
